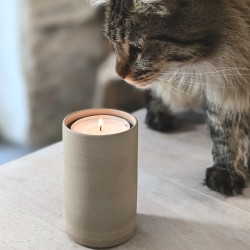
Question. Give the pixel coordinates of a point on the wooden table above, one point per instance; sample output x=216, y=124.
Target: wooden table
x=175, y=209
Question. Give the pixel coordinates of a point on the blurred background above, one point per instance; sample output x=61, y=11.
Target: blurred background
x=54, y=60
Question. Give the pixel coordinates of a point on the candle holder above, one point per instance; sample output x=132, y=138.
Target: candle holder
x=100, y=179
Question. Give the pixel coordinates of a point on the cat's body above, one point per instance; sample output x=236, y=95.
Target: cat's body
x=191, y=52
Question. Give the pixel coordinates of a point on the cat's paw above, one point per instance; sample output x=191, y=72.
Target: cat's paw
x=220, y=180
x=160, y=121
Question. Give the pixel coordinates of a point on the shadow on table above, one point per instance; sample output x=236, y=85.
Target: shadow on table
x=188, y=121
x=161, y=233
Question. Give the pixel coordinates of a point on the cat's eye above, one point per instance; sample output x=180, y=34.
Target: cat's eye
x=133, y=50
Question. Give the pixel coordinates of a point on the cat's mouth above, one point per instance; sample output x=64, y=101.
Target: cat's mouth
x=145, y=83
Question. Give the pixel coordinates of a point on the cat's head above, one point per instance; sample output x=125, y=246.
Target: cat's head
x=152, y=36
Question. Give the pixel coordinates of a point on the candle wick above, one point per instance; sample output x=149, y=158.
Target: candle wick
x=101, y=128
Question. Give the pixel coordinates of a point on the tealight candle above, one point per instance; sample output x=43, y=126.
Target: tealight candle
x=100, y=125
x=100, y=176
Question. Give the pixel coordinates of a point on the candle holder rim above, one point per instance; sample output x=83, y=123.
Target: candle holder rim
x=134, y=126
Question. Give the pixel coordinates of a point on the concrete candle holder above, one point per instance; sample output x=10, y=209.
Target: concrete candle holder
x=100, y=181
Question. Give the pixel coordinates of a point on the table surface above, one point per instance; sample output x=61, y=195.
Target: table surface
x=175, y=209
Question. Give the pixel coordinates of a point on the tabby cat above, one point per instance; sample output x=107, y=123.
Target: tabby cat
x=190, y=52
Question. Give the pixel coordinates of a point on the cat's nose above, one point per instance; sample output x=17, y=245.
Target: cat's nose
x=122, y=70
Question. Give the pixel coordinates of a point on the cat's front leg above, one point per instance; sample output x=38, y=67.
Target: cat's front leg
x=159, y=116
x=228, y=132
x=164, y=103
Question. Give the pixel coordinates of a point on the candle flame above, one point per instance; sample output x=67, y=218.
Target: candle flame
x=100, y=123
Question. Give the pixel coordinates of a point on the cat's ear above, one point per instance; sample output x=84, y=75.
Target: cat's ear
x=151, y=6
x=99, y=2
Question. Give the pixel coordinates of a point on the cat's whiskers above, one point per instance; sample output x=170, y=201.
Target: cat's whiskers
x=220, y=68
x=221, y=81
x=216, y=75
x=200, y=86
x=176, y=78
x=172, y=87
x=215, y=86
x=159, y=81
x=182, y=78
x=179, y=90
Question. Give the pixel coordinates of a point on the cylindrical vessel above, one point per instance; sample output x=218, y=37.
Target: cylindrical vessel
x=100, y=179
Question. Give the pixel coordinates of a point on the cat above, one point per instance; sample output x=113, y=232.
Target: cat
x=190, y=52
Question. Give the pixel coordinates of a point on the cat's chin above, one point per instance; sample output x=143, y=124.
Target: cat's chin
x=141, y=85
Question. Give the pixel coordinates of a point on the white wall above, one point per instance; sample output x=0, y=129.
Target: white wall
x=13, y=101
